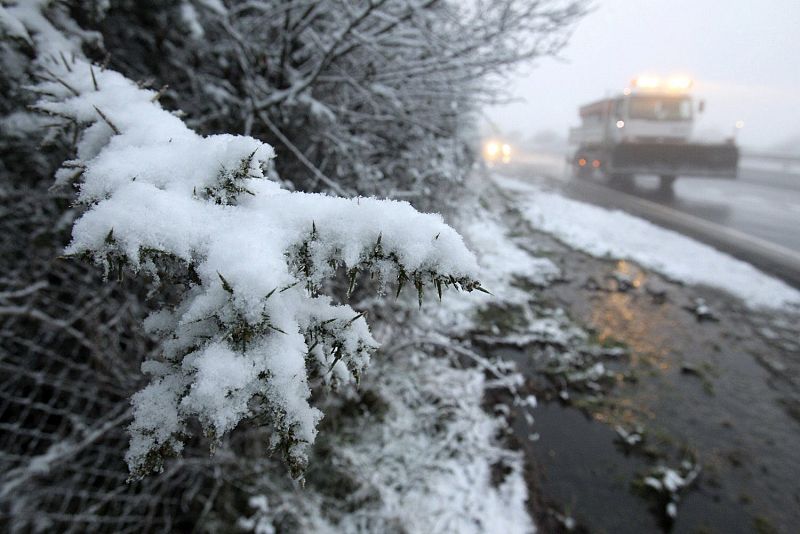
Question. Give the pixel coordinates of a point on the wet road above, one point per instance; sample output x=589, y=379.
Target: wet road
x=755, y=217
x=761, y=203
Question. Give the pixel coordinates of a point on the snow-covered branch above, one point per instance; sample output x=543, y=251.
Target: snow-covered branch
x=252, y=325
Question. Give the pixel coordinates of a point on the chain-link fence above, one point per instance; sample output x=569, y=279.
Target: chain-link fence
x=70, y=350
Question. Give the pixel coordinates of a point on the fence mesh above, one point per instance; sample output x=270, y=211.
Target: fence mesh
x=70, y=350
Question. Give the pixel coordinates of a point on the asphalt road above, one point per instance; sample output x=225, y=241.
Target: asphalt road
x=755, y=217
x=760, y=203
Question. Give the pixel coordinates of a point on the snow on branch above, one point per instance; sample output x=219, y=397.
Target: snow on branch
x=252, y=331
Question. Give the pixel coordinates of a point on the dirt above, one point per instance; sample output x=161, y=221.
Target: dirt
x=691, y=371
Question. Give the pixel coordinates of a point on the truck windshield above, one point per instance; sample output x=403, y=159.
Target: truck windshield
x=660, y=108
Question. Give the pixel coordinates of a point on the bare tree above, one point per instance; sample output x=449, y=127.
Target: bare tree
x=355, y=95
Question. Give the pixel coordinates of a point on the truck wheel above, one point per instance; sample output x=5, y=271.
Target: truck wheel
x=666, y=182
x=622, y=181
x=581, y=173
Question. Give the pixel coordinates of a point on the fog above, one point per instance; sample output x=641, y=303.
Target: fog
x=743, y=55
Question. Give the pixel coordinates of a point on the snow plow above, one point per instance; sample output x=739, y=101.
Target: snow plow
x=647, y=130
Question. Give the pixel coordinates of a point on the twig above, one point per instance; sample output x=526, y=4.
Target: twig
x=300, y=156
x=108, y=121
x=94, y=80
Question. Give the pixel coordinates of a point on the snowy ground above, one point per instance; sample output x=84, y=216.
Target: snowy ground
x=610, y=233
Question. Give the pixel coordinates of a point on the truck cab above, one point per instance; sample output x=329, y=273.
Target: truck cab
x=654, y=117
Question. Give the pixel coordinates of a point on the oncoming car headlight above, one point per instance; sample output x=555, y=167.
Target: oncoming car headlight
x=495, y=150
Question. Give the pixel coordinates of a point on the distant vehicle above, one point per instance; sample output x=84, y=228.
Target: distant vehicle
x=647, y=130
x=497, y=152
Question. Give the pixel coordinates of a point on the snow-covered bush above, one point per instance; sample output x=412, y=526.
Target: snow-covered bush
x=242, y=269
x=252, y=327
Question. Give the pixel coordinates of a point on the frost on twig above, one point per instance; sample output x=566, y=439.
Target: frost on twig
x=252, y=326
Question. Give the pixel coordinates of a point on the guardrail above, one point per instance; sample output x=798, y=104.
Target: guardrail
x=785, y=158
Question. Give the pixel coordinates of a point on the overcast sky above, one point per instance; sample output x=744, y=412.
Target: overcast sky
x=744, y=56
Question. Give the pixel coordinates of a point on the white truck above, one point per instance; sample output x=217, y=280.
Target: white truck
x=647, y=130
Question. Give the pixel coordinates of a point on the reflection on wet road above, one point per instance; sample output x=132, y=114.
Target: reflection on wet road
x=759, y=203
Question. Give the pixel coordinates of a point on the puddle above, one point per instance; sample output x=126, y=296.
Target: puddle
x=579, y=468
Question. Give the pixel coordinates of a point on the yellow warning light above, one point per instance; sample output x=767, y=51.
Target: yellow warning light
x=679, y=83
x=648, y=82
